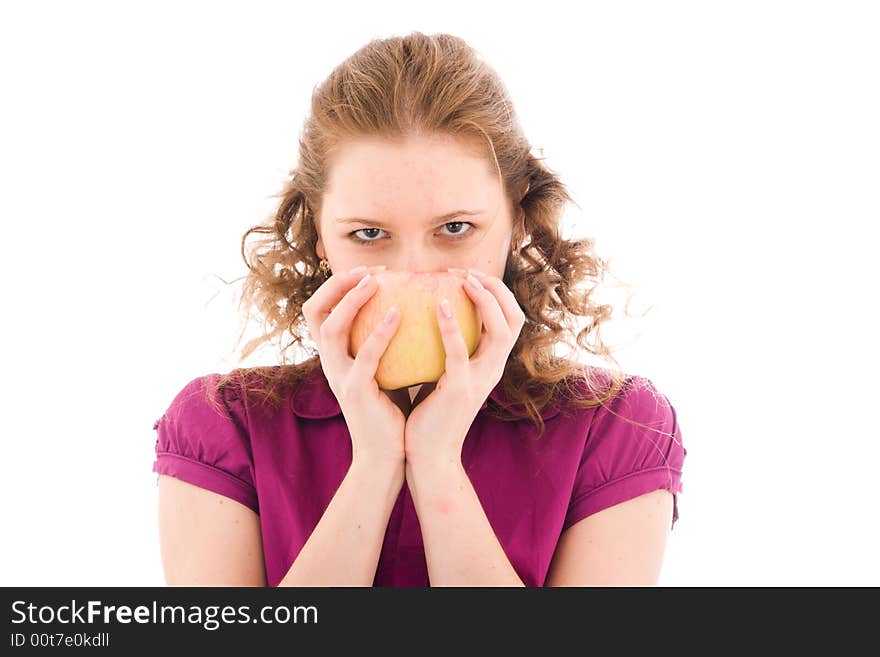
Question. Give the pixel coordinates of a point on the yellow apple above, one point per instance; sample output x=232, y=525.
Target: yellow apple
x=415, y=353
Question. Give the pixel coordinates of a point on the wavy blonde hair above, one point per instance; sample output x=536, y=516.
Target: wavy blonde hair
x=437, y=84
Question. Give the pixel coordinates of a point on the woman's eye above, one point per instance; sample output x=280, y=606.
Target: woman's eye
x=364, y=230
x=370, y=234
x=460, y=224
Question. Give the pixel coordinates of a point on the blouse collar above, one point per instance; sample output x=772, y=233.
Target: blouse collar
x=313, y=398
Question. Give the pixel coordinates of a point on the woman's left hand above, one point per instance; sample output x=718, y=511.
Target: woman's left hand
x=437, y=426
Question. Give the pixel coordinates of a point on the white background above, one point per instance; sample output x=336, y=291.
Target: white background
x=725, y=156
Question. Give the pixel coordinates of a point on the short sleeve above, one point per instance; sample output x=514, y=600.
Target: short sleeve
x=633, y=447
x=202, y=439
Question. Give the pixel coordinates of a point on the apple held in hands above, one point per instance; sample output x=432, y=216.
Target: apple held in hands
x=415, y=353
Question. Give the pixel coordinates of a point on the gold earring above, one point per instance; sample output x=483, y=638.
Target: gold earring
x=324, y=266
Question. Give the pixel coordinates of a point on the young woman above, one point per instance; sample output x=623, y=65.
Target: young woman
x=518, y=467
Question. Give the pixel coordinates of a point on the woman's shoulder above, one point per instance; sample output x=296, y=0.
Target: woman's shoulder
x=258, y=388
x=602, y=385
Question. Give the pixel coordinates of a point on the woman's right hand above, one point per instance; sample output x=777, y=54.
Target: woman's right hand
x=375, y=422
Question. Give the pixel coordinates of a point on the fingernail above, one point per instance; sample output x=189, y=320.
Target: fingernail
x=477, y=273
x=389, y=316
x=358, y=270
x=455, y=270
x=444, y=305
x=473, y=281
x=363, y=283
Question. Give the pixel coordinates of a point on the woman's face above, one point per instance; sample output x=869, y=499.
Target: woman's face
x=397, y=204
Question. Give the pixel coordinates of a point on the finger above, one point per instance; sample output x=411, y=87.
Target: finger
x=513, y=314
x=453, y=343
x=331, y=292
x=490, y=311
x=497, y=341
x=318, y=307
x=367, y=360
x=336, y=329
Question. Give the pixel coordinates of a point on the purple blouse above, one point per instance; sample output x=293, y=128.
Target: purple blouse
x=286, y=465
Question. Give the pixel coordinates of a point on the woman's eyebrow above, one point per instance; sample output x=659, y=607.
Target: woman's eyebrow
x=448, y=215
